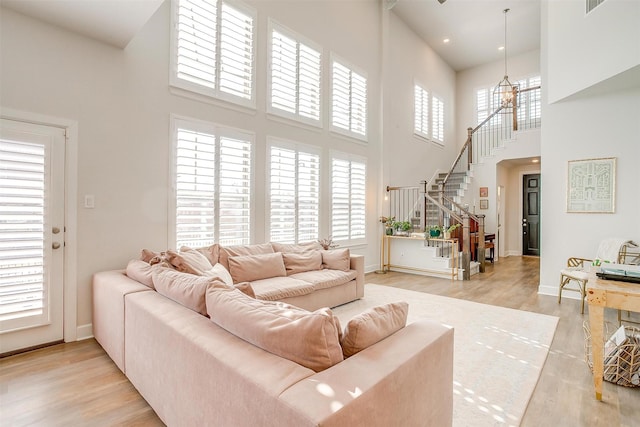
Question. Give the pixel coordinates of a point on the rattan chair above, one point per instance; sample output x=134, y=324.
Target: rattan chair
x=575, y=272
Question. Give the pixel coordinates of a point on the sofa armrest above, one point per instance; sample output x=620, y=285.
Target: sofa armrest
x=109, y=291
x=357, y=263
x=405, y=379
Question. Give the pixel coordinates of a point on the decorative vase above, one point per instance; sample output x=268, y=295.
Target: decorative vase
x=434, y=233
x=388, y=231
x=447, y=234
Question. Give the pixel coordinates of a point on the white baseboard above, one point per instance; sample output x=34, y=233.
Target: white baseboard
x=553, y=291
x=512, y=253
x=371, y=268
x=85, y=332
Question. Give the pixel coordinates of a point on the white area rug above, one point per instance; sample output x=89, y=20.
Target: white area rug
x=498, y=352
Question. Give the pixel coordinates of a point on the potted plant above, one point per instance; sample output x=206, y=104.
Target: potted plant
x=388, y=222
x=434, y=231
x=405, y=226
x=450, y=229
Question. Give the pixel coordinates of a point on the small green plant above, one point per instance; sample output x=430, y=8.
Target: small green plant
x=405, y=226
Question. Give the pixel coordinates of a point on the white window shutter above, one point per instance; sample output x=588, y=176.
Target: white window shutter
x=421, y=111
x=294, y=195
x=213, y=187
x=348, y=207
x=349, y=101
x=22, y=208
x=236, y=52
x=437, y=119
x=283, y=72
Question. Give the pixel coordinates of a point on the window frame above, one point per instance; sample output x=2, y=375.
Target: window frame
x=351, y=158
x=274, y=142
x=352, y=70
x=192, y=89
x=217, y=130
x=272, y=26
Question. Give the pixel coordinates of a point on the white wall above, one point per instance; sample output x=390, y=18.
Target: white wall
x=407, y=157
x=592, y=123
x=585, y=49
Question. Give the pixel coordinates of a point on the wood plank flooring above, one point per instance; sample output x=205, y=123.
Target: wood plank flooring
x=78, y=384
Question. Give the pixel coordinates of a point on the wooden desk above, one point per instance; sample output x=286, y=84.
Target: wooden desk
x=600, y=294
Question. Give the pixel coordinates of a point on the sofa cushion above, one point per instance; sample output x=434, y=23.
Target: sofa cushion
x=323, y=279
x=336, y=259
x=183, y=288
x=299, y=262
x=276, y=288
x=229, y=251
x=247, y=268
x=221, y=273
x=245, y=288
x=296, y=248
x=372, y=326
x=189, y=261
x=307, y=338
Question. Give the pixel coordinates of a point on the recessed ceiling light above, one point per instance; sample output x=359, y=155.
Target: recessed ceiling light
x=501, y=48
x=446, y=41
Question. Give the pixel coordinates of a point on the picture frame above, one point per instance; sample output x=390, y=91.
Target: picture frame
x=484, y=204
x=591, y=185
x=484, y=191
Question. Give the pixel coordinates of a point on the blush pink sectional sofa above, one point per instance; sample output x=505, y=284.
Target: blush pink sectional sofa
x=194, y=372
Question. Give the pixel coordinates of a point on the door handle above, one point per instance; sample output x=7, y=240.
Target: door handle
x=55, y=230
x=55, y=245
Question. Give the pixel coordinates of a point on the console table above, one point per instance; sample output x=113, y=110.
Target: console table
x=600, y=294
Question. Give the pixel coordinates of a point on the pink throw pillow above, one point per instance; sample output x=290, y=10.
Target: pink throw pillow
x=183, y=288
x=372, y=326
x=337, y=259
x=247, y=268
x=301, y=262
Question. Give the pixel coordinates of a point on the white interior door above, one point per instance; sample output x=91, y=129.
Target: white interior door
x=31, y=234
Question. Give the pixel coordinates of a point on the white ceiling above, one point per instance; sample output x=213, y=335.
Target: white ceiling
x=114, y=22
x=475, y=27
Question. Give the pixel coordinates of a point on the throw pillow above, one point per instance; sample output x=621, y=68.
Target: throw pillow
x=372, y=326
x=307, y=338
x=229, y=251
x=247, y=268
x=189, y=261
x=301, y=262
x=337, y=259
x=296, y=248
x=221, y=273
x=185, y=289
x=141, y=271
x=246, y=288
x=211, y=252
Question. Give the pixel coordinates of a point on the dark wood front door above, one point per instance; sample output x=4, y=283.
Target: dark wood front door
x=531, y=215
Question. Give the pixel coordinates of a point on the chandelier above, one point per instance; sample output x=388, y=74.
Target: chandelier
x=504, y=92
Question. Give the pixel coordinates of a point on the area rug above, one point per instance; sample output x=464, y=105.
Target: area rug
x=498, y=352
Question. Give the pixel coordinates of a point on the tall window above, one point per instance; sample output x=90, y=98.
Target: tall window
x=294, y=77
x=348, y=179
x=294, y=193
x=486, y=104
x=348, y=101
x=212, y=45
x=421, y=112
x=213, y=185
x=529, y=103
x=437, y=119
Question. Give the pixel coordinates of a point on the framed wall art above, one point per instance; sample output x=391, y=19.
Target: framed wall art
x=484, y=191
x=591, y=185
x=484, y=204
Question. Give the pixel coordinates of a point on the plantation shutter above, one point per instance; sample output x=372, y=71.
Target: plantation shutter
x=22, y=208
x=236, y=52
x=437, y=119
x=213, y=189
x=196, y=42
x=235, y=192
x=421, y=110
x=348, y=199
x=195, y=189
x=482, y=101
x=294, y=195
x=295, y=77
x=349, y=100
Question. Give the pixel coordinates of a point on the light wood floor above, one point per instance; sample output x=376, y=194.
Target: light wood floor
x=76, y=384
